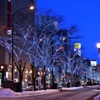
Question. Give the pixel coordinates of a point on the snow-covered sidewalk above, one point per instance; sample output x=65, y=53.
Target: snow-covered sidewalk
x=10, y=93
x=6, y=92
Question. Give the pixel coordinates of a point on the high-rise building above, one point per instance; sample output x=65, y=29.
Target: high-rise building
x=9, y=10
x=4, y=56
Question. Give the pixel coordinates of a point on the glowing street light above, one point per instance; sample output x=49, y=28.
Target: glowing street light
x=98, y=46
x=1, y=67
x=31, y=8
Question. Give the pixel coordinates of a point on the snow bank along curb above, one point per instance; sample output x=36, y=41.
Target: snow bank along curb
x=73, y=88
x=10, y=93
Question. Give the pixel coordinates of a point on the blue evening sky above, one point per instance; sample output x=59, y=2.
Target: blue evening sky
x=83, y=13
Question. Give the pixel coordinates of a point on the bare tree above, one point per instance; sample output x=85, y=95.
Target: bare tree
x=43, y=44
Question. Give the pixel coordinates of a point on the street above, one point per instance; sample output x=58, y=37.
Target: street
x=81, y=94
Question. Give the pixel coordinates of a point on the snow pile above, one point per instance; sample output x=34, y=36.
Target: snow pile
x=7, y=92
x=72, y=88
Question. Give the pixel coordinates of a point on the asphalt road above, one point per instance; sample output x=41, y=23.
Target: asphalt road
x=81, y=94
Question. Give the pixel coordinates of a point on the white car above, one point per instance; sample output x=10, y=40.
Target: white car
x=59, y=86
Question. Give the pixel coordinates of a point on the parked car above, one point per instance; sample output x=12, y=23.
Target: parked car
x=59, y=86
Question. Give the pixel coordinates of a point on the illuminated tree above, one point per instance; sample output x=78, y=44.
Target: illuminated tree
x=43, y=45
x=37, y=43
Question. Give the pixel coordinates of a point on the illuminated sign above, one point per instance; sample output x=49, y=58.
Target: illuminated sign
x=93, y=63
x=77, y=45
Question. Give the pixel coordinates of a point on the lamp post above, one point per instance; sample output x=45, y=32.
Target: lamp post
x=12, y=17
x=98, y=46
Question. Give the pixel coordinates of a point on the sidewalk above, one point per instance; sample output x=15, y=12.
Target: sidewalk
x=6, y=92
x=39, y=92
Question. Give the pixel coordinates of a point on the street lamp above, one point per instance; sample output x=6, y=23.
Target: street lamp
x=12, y=15
x=98, y=46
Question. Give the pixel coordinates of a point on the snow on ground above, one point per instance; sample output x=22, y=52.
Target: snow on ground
x=6, y=92
x=72, y=88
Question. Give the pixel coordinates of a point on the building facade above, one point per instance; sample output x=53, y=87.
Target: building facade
x=10, y=10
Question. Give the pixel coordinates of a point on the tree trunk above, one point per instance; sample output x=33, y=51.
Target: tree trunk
x=20, y=82
x=33, y=76
x=18, y=85
x=52, y=78
x=44, y=79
